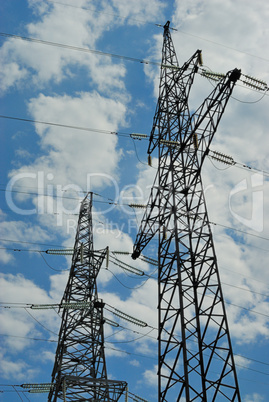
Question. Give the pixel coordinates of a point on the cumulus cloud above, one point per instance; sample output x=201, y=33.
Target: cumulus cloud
x=72, y=161
x=79, y=28
x=14, y=231
x=151, y=377
x=254, y=398
x=82, y=26
x=140, y=11
x=16, y=370
x=20, y=325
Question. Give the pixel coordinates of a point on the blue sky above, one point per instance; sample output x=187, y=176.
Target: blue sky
x=46, y=169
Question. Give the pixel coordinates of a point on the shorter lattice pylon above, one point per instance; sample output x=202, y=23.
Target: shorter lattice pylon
x=79, y=372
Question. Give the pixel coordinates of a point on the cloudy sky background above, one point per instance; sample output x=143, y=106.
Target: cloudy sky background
x=46, y=170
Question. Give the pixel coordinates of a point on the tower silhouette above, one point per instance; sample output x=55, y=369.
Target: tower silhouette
x=195, y=358
x=79, y=372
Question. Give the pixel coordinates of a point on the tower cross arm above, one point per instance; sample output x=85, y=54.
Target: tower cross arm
x=174, y=90
x=149, y=224
x=204, y=121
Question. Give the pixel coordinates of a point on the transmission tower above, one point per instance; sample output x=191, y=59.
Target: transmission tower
x=79, y=372
x=195, y=361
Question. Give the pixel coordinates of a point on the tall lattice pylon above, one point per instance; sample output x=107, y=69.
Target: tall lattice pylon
x=80, y=372
x=196, y=361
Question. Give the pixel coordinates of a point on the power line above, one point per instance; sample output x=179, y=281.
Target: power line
x=31, y=338
x=119, y=350
x=44, y=195
x=75, y=305
x=141, y=355
x=238, y=230
x=54, y=269
x=244, y=289
x=94, y=130
x=176, y=30
x=29, y=242
x=243, y=308
x=119, y=134
x=123, y=204
x=233, y=97
x=124, y=268
x=39, y=323
x=244, y=276
x=31, y=306
x=127, y=58
x=106, y=13
x=76, y=48
x=125, y=286
x=136, y=354
x=221, y=44
x=113, y=342
x=228, y=302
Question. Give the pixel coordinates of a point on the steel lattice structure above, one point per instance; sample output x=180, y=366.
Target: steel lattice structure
x=79, y=372
x=196, y=361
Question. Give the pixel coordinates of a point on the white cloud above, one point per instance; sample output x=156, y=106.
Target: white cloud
x=238, y=25
x=140, y=11
x=135, y=363
x=72, y=26
x=57, y=285
x=70, y=152
x=18, y=289
x=69, y=26
x=150, y=376
x=16, y=370
x=23, y=231
x=5, y=257
x=11, y=73
x=73, y=161
x=18, y=327
x=19, y=232
x=48, y=356
x=254, y=398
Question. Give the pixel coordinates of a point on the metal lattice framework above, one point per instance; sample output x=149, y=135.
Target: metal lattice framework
x=80, y=372
x=195, y=352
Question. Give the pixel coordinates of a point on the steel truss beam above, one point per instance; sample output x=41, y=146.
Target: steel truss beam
x=79, y=372
x=195, y=352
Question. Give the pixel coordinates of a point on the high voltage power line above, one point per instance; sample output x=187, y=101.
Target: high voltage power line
x=88, y=129
x=131, y=319
x=105, y=13
x=111, y=202
x=131, y=341
x=212, y=223
x=134, y=136
x=123, y=351
x=77, y=48
x=120, y=314
x=250, y=82
x=106, y=202
x=125, y=266
x=176, y=30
